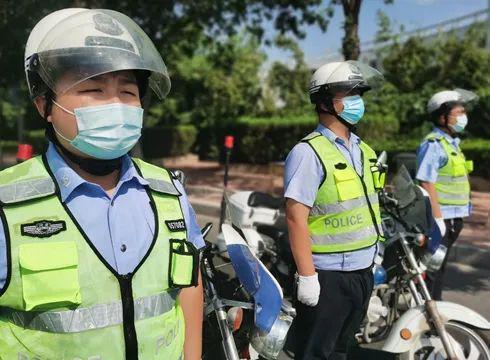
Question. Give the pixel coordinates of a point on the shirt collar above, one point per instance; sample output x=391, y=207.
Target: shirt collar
x=330, y=135
x=68, y=180
x=452, y=140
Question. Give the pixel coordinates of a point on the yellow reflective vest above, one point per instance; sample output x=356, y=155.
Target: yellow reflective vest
x=452, y=184
x=345, y=215
x=63, y=301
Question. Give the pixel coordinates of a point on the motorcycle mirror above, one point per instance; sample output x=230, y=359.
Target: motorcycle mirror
x=382, y=158
x=179, y=175
x=206, y=229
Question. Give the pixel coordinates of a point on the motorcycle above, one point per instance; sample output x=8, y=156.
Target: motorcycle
x=251, y=318
x=262, y=222
x=402, y=313
x=245, y=313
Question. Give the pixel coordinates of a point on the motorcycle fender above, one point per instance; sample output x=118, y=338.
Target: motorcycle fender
x=416, y=321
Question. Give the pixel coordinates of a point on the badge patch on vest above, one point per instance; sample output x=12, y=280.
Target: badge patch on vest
x=43, y=228
x=341, y=166
x=176, y=225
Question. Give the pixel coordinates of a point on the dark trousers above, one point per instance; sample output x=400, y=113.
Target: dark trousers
x=327, y=330
x=435, y=279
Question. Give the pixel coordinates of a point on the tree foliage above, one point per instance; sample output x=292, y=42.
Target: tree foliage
x=190, y=32
x=420, y=67
x=289, y=82
x=351, y=10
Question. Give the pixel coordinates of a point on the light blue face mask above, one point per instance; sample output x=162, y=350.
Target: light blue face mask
x=106, y=132
x=353, y=109
x=461, y=122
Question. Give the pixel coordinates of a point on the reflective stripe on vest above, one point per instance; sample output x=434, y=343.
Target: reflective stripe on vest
x=26, y=190
x=320, y=209
x=449, y=179
x=452, y=184
x=96, y=317
x=345, y=214
x=451, y=198
x=163, y=187
x=346, y=241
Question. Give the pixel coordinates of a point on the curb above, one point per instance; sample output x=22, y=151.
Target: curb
x=475, y=256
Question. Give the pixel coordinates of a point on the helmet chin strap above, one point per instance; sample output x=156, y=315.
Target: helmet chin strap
x=95, y=167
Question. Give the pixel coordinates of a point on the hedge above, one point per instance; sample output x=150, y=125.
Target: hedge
x=263, y=140
x=8, y=146
x=156, y=142
x=168, y=140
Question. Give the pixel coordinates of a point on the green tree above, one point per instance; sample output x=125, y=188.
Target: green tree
x=289, y=82
x=385, y=30
x=420, y=67
x=175, y=26
x=350, y=41
x=216, y=85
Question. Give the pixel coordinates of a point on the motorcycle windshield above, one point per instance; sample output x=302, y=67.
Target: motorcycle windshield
x=255, y=278
x=415, y=207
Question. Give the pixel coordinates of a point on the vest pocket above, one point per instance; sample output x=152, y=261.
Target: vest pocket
x=379, y=178
x=458, y=165
x=347, y=185
x=469, y=166
x=184, y=264
x=49, y=273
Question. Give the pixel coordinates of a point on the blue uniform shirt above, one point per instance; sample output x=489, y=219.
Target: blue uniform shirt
x=303, y=174
x=121, y=227
x=430, y=158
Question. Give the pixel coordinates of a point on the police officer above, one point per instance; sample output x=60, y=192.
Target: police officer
x=97, y=250
x=442, y=170
x=332, y=215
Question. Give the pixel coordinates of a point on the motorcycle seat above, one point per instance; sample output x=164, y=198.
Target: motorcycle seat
x=272, y=231
x=260, y=199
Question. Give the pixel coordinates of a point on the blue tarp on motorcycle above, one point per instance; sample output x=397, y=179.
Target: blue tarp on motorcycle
x=255, y=278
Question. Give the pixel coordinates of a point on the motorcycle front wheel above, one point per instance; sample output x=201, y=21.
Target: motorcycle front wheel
x=467, y=343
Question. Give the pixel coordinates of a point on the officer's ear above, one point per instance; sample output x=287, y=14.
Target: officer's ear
x=43, y=107
x=321, y=108
x=40, y=103
x=441, y=121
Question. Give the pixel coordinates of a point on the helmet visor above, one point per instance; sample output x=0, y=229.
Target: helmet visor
x=352, y=75
x=99, y=42
x=466, y=96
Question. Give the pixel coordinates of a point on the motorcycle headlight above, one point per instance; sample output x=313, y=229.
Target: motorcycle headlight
x=433, y=262
x=270, y=344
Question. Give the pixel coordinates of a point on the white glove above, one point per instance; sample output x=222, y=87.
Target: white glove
x=442, y=225
x=308, y=289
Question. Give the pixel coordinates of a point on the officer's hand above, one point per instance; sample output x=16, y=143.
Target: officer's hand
x=442, y=225
x=308, y=289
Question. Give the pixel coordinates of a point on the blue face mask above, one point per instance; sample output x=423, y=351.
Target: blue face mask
x=106, y=132
x=461, y=122
x=353, y=109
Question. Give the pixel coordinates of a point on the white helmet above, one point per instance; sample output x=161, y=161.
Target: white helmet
x=342, y=76
x=78, y=44
x=456, y=96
